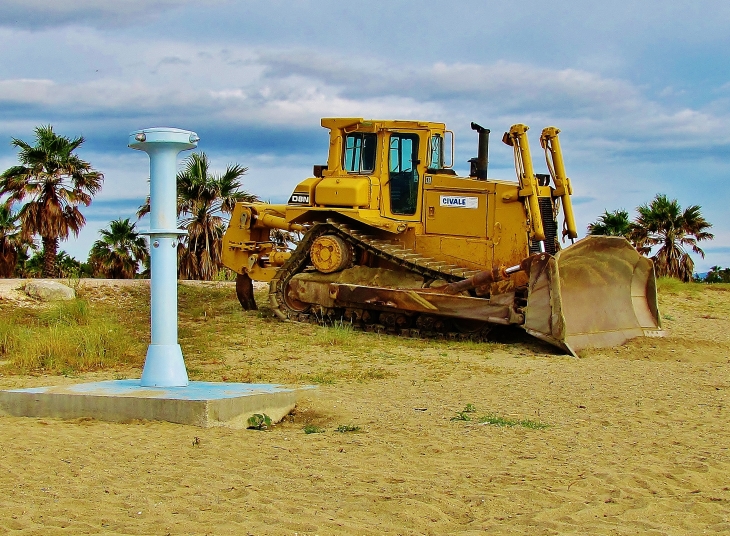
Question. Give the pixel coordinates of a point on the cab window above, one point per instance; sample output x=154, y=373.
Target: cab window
x=360, y=152
x=403, y=161
x=436, y=148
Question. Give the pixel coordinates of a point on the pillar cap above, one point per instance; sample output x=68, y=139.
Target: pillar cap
x=156, y=136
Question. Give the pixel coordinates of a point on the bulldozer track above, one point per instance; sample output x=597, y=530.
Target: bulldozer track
x=428, y=268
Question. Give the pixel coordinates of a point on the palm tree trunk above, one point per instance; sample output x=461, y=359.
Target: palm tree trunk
x=50, y=249
x=8, y=260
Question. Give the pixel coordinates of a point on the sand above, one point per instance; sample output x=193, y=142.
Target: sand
x=637, y=443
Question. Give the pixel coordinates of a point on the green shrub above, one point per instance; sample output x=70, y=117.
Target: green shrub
x=259, y=421
x=312, y=429
x=496, y=420
x=345, y=428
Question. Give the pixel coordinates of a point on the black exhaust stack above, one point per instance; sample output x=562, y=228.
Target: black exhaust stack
x=480, y=163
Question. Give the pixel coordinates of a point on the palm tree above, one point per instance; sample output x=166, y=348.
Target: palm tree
x=119, y=252
x=30, y=265
x=14, y=248
x=718, y=274
x=663, y=223
x=615, y=223
x=68, y=266
x=203, y=198
x=56, y=182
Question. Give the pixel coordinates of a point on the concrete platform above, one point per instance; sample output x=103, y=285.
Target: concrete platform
x=203, y=404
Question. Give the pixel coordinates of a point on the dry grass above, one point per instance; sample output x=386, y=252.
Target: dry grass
x=108, y=328
x=67, y=338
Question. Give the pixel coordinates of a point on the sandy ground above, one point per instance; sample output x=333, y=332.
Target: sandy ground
x=637, y=443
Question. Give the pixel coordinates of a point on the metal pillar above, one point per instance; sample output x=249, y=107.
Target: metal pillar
x=164, y=365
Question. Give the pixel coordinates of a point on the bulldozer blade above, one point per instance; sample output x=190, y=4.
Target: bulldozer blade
x=599, y=292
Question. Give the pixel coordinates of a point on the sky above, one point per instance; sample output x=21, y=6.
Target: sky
x=640, y=90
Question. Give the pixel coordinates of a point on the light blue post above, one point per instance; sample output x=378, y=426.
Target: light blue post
x=164, y=365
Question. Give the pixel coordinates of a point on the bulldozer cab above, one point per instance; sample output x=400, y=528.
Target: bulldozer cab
x=393, y=155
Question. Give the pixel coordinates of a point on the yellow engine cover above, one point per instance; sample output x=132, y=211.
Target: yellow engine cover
x=343, y=192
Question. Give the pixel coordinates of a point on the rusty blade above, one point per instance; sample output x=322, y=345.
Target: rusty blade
x=596, y=293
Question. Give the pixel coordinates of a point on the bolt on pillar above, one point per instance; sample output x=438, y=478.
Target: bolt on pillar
x=164, y=365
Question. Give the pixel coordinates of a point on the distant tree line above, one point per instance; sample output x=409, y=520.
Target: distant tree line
x=51, y=183
x=717, y=275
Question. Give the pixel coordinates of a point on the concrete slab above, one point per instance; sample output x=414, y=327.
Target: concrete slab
x=203, y=404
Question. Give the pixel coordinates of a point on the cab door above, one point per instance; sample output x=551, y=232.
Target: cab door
x=404, y=176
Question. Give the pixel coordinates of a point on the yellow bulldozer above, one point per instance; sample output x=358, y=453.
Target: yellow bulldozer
x=392, y=240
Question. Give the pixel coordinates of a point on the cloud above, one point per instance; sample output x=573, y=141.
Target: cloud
x=244, y=86
x=35, y=14
x=611, y=114
x=233, y=87
x=519, y=82
x=105, y=211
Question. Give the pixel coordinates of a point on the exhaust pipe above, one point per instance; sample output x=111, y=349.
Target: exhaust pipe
x=480, y=163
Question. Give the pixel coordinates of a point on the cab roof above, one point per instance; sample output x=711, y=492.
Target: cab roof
x=351, y=124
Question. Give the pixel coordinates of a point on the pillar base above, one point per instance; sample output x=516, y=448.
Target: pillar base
x=164, y=367
x=203, y=404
